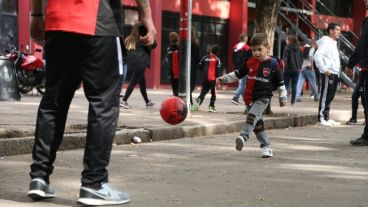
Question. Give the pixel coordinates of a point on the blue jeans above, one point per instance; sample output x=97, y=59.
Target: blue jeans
x=240, y=90
x=291, y=77
x=311, y=78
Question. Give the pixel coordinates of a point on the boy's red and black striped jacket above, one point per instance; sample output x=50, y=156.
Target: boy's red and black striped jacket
x=211, y=65
x=173, y=61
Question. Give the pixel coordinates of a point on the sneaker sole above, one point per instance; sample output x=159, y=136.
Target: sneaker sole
x=239, y=144
x=266, y=156
x=39, y=194
x=99, y=202
x=234, y=102
x=125, y=107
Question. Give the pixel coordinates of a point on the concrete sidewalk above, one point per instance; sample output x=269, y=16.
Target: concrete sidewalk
x=17, y=122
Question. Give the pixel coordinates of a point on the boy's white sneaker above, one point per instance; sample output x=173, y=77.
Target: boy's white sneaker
x=239, y=143
x=266, y=152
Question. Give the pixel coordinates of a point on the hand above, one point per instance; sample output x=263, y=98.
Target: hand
x=37, y=29
x=219, y=80
x=149, y=38
x=328, y=73
x=348, y=71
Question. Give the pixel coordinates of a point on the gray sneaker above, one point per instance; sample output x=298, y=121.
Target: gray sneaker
x=106, y=195
x=239, y=143
x=39, y=189
x=150, y=103
x=125, y=105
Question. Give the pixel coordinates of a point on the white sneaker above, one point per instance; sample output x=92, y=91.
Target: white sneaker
x=239, y=143
x=266, y=152
x=323, y=122
x=334, y=123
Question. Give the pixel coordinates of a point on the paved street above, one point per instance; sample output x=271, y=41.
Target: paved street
x=312, y=166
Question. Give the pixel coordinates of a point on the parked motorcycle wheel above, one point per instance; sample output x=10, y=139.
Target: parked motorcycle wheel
x=41, y=88
x=23, y=79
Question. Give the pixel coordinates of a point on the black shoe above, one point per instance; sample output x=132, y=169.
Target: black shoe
x=352, y=121
x=235, y=101
x=359, y=142
x=39, y=189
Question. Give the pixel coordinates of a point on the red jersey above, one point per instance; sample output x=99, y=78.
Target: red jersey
x=90, y=17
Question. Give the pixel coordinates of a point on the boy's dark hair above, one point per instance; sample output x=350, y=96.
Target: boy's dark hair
x=243, y=37
x=173, y=37
x=259, y=39
x=215, y=49
x=332, y=26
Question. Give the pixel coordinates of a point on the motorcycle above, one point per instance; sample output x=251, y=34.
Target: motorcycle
x=30, y=70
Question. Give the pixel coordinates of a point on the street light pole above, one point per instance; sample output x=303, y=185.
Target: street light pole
x=185, y=50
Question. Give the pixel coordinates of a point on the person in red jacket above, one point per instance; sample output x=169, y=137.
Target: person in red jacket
x=82, y=43
x=173, y=61
x=211, y=67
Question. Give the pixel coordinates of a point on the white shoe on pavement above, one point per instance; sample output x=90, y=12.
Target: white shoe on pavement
x=323, y=122
x=266, y=152
x=334, y=123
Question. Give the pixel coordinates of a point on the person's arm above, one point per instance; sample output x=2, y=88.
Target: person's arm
x=361, y=46
x=146, y=17
x=37, y=25
x=320, y=57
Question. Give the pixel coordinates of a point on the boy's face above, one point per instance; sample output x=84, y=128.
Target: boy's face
x=260, y=51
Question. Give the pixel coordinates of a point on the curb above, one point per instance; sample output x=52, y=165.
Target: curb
x=23, y=145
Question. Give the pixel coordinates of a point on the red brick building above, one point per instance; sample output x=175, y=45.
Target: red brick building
x=216, y=21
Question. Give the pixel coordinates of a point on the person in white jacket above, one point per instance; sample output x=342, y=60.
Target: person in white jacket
x=327, y=60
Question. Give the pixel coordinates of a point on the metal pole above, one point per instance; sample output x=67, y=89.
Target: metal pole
x=189, y=54
x=185, y=50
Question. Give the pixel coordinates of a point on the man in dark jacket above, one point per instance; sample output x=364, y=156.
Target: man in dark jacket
x=293, y=59
x=360, y=58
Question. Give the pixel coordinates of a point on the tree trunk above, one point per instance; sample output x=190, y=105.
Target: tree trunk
x=266, y=18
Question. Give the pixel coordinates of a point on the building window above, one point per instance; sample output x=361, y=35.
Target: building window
x=209, y=30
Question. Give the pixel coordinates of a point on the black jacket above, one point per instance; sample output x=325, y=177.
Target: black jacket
x=140, y=57
x=360, y=54
x=293, y=58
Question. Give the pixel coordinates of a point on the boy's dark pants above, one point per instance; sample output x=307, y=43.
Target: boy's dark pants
x=206, y=86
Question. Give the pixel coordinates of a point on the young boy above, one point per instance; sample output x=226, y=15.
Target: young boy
x=211, y=65
x=173, y=59
x=264, y=74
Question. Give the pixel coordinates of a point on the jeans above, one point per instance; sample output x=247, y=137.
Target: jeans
x=311, y=78
x=240, y=90
x=254, y=122
x=293, y=76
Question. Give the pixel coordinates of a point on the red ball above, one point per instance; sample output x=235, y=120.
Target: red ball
x=173, y=110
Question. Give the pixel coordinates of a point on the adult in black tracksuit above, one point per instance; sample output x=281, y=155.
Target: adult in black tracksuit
x=211, y=67
x=138, y=60
x=360, y=58
x=293, y=59
x=173, y=61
